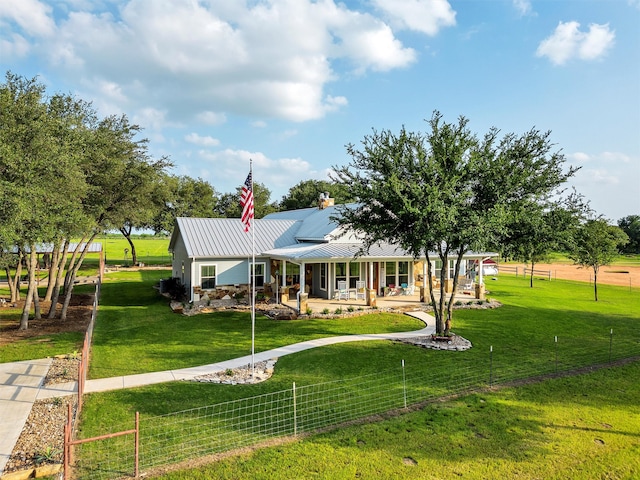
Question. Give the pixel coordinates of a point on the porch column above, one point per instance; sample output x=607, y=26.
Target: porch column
x=284, y=295
x=480, y=292
x=303, y=297
x=371, y=291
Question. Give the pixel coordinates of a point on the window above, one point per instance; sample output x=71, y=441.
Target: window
x=258, y=271
x=323, y=276
x=403, y=273
x=341, y=272
x=293, y=274
x=354, y=274
x=390, y=273
x=208, y=276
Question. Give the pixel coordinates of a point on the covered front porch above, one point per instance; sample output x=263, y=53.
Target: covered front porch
x=304, y=303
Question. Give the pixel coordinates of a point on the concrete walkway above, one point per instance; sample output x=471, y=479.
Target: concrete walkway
x=21, y=382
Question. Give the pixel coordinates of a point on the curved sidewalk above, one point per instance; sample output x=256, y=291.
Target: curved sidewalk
x=21, y=382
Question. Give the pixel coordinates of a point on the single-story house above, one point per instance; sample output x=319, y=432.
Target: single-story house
x=295, y=251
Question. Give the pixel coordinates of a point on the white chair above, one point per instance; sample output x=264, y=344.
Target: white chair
x=360, y=292
x=343, y=291
x=409, y=289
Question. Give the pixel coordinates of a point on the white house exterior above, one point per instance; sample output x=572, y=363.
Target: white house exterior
x=298, y=250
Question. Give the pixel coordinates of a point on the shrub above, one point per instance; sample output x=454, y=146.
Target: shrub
x=309, y=311
x=176, y=290
x=338, y=311
x=325, y=311
x=350, y=308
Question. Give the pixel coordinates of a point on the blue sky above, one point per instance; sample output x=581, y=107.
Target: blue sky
x=289, y=83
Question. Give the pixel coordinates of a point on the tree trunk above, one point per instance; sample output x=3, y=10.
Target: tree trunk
x=24, y=320
x=436, y=312
x=531, y=280
x=36, y=304
x=456, y=276
x=126, y=231
x=56, y=289
x=53, y=271
x=595, y=282
x=73, y=270
x=15, y=282
x=12, y=287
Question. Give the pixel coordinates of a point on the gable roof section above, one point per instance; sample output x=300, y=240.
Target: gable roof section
x=316, y=225
x=225, y=237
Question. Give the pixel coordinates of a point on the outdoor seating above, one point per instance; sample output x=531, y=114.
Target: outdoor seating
x=360, y=292
x=343, y=291
x=408, y=290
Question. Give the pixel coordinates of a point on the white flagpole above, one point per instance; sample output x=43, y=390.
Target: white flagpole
x=253, y=278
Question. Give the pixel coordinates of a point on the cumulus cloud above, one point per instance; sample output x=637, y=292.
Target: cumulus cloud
x=271, y=59
x=568, y=42
x=425, y=16
x=31, y=16
x=206, y=141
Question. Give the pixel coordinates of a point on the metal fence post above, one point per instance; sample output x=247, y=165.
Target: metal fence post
x=556, y=343
x=610, y=343
x=137, y=446
x=491, y=365
x=404, y=385
x=295, y=412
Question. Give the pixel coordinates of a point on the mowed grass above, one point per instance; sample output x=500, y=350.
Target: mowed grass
x=136, y=331
x=580, y=427
x=150, y=250
x=522, y=333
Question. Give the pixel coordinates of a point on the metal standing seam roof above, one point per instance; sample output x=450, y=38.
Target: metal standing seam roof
x=225, y=237
x=326, y=251
x=316, y=225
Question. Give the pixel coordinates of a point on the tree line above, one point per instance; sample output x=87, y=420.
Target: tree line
x=66, y=173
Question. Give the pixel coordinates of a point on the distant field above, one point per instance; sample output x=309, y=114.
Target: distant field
x=151, y=250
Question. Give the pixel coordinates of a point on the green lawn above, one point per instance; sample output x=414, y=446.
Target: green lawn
x=489, y=435
x=563, y=428
x=145, y=336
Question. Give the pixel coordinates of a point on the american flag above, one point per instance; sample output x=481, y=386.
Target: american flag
x=246, y=202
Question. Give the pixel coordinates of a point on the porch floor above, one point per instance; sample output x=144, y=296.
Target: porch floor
x=393, y=302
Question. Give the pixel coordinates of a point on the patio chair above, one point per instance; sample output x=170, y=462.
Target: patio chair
x=360, y=293
x=343, y=291
x=409, y=290
x=403, y=288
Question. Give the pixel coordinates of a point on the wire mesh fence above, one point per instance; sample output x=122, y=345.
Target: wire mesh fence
x=223, y=427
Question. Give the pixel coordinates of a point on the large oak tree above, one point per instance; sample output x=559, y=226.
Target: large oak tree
x=442, y=193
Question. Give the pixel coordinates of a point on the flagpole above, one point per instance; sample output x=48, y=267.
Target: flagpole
x=253, y=281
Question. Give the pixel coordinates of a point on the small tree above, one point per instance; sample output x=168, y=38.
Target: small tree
x=306, y=193
x=596, y=245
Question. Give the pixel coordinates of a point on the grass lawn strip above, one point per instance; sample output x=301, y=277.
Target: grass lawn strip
x=569, y=427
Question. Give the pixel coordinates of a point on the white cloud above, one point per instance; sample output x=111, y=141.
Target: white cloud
x=567, y=42
x=271, y=58
x=579, y=157
x=32, y=16
x=14, y=47
x=523, y=7
x=212, y=118
x=206, y=141
x=425, y=16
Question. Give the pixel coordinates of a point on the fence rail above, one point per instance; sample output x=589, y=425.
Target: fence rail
x=219, y=428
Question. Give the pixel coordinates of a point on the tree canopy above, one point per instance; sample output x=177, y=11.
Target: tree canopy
x=631, y=226
x=444, y=192
x=597, y=244
x=306, y=193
